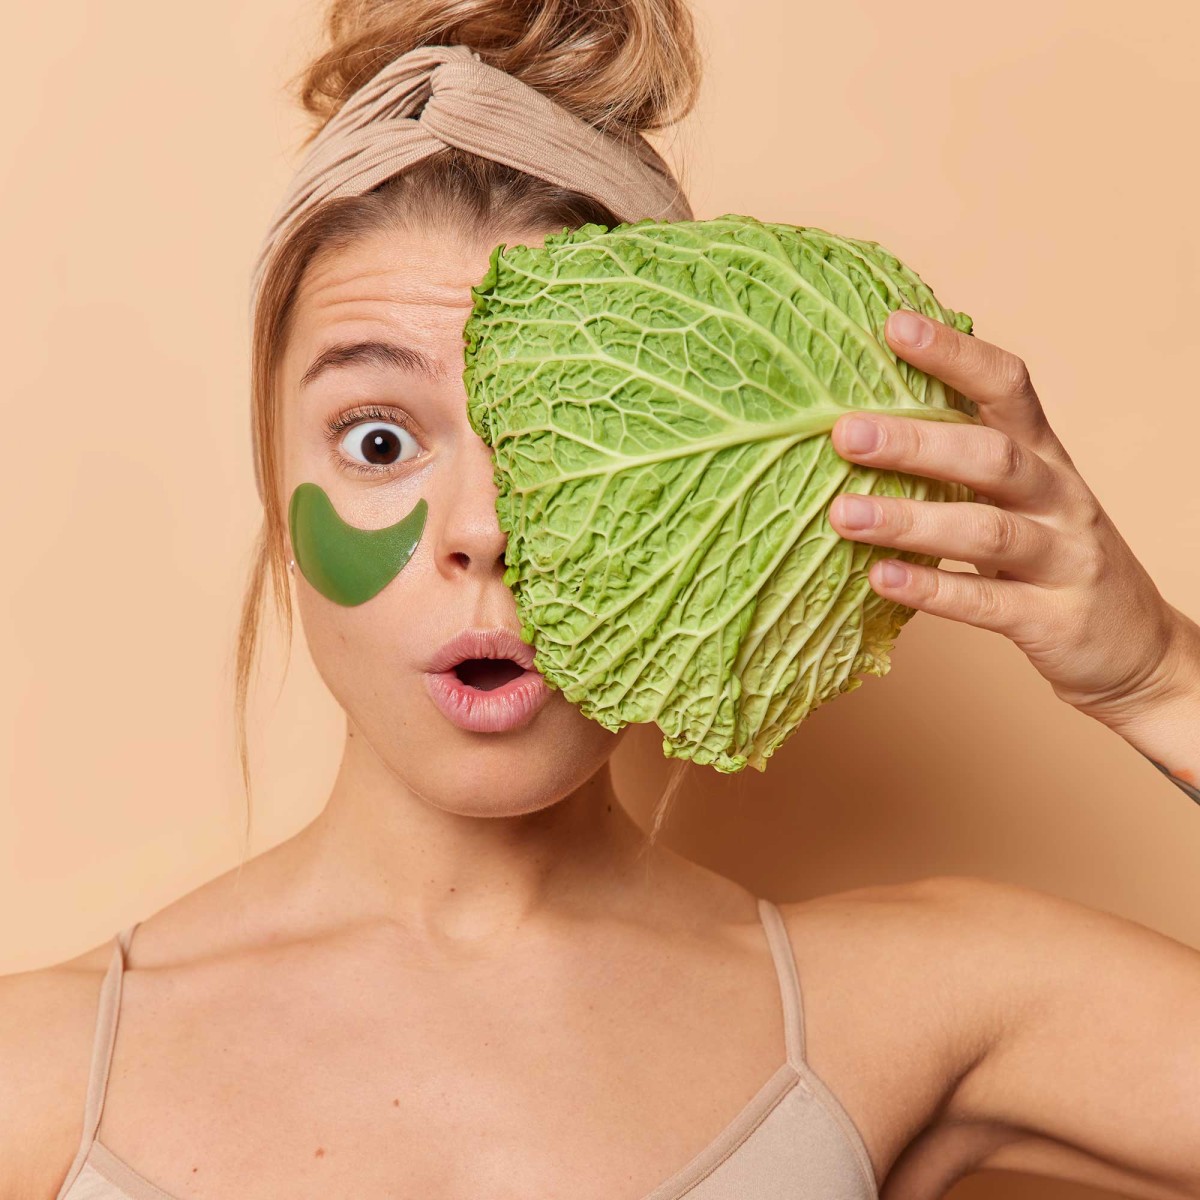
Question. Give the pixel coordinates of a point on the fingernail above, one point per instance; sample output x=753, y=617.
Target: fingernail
x=892, y=574
x=856, y=513
x=908, y=328
x=860, y=436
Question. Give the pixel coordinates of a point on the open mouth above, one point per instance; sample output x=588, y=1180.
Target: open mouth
x=487, y=674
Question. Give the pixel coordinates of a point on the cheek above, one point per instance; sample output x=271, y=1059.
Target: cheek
x=369, y=654
x=347, y=565
x=363, y=606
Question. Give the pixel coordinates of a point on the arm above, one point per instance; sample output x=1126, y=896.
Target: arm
x=1163, y=724
x=1093, y=1071
x=47, y=1018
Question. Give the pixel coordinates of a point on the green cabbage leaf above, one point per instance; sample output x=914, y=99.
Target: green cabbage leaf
x=658, y=398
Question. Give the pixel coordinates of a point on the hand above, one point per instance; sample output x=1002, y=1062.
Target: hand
x=1055, y=576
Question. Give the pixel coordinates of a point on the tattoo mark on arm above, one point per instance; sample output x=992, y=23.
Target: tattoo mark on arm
x=1188, y=788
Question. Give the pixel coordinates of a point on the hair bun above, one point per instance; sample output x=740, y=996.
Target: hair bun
x=625, y=66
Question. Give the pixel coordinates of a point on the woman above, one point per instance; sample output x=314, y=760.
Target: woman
x=471, y=975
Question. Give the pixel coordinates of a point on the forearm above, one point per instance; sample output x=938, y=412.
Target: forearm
x=1164, y=725
x=1171, y=741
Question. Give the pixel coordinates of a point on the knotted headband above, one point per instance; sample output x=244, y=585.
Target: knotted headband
x=463, y=102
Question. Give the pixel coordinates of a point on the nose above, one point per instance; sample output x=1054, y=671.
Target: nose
x=471, y=537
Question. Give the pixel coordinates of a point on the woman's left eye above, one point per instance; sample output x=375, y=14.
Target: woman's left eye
x=375, y=443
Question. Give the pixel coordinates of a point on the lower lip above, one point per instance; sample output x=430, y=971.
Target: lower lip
x=505, y=707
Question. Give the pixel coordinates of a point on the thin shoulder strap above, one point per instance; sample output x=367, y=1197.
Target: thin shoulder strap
x=789, y=980
x=102, y=1050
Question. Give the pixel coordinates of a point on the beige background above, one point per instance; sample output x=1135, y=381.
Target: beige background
x=1034, y=162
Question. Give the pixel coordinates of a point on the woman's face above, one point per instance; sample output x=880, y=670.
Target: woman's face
x=412, y=290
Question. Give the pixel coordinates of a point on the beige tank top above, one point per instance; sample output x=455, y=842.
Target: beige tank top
x=792, y=1141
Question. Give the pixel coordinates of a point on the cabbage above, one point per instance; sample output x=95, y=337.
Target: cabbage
x=658, y=398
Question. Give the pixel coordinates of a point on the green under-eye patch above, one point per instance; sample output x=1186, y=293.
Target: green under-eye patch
x=345, y=564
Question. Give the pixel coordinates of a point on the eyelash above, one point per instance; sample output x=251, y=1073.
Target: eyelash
x=336, y=425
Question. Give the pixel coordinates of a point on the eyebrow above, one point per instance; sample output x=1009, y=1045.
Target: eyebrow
x=372, y=353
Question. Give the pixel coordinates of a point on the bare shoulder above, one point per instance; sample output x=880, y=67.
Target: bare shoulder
x=949, y=941
x=919, y=995
x=47, y=1024
x=48, y=1018
x=918, y=941
x=903, y=995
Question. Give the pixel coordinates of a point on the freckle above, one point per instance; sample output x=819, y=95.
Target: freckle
x=452, y=889
x=610, y=808
x=395, y=1103
x=194, y=1170
x=320, y=1152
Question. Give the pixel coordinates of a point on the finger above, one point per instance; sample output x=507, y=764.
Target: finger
x=980, y=534
x=1001, y=605
x=992, y=464
x=996, y=380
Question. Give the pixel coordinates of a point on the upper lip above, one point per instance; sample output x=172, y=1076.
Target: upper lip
x=482, y=643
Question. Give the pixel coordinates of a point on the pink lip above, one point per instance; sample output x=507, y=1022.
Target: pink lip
x=482, y=643
x=499, y=709
x=495, y=711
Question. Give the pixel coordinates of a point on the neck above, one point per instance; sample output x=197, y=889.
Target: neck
x=459, y=881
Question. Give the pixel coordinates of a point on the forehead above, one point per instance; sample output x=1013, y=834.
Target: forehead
x=416, y=285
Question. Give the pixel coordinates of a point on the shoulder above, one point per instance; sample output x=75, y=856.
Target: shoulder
x=969, y=945
x=929, y=944
x=942, y=983
x=47, y=1025
x=953, y=925
x=930, y=924
x=907, y=988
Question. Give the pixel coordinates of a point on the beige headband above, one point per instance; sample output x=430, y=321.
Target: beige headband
x=464, y=102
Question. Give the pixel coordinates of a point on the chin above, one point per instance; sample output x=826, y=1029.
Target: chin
x=507, y=774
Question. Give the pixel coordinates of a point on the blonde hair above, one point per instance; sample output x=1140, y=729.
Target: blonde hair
x=624, y=66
